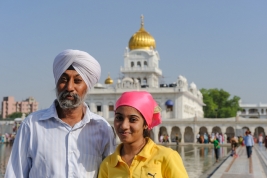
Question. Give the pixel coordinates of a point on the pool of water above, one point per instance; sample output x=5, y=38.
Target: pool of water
x=197, y=159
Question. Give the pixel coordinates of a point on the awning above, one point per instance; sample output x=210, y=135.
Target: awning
x=169, y=103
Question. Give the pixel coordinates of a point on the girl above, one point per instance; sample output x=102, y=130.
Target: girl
x=136, y=113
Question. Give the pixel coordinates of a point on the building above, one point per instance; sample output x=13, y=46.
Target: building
x=253, y=110
x=9, y=106
x=181, y=103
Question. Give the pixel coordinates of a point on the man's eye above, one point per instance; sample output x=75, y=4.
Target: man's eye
x=77, y=80
x=63, y=79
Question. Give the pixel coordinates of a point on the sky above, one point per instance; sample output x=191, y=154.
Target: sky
x=215, y=44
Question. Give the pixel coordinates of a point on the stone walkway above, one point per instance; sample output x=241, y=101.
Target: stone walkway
x=241, y=166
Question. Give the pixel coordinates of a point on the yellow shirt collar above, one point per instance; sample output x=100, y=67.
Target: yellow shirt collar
x=145, y=152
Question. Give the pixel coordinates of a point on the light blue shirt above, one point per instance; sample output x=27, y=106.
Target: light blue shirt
x=248, y=140
x=45, y=146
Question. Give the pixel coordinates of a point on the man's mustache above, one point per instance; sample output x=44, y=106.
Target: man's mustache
x=64, y=94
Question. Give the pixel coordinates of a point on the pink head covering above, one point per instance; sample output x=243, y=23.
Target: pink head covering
x=144, y=103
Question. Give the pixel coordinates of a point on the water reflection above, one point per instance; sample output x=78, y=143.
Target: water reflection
x=197, y=159
x=5, y=150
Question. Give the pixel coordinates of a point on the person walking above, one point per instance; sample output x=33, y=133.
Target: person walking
x=67, y=139
x=249, y=142
x=136, y=113
x=216, y=145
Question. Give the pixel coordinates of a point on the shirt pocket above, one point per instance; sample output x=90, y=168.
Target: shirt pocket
x=151, y=171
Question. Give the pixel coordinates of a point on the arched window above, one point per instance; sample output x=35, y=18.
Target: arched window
x=145, y=64
x=139, y=64
x=110, y=107
x=132, y=64
x=144, y=81
x=139, y=80
x=98, y=107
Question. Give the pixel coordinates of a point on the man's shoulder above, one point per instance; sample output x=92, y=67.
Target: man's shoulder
x=35, y=116
x=98, y=118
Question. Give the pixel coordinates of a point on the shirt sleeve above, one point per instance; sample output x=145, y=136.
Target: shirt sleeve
x=19, y=163
x=174, y=166
x=110, y=144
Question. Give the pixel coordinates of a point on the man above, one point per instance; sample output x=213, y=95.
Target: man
x=249, y=142
x=67, y=139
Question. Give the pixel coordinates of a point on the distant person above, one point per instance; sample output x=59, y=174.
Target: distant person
x=198, y=138
x=216, y=145
x=260, y=139
x=220, y=138
x=177, y=139
x=249, y=142
x=233, y=142
x=205, y=138
x=67, y=139
x=136, y=113
x=161, y=138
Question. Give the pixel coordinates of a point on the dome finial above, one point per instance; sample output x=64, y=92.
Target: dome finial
x=142, y=39
x=109, y=80
x=142, y=21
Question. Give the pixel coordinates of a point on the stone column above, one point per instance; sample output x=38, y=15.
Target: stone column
x=209, y=129
x=156, y=133
x=105, y=111
x=196, y=131
x=92, y=107
x=252, y=130
x=169, y=130
x=182, y=129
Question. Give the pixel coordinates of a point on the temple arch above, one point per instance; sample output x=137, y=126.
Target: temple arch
x=188, y=135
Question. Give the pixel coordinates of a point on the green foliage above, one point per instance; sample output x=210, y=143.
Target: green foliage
x=218, y=103
x=15, y=115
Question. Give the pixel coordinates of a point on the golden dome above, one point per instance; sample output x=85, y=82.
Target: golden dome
x=108, y=80
x=142, y=39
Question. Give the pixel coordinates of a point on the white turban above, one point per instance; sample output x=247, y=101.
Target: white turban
x=88, y=68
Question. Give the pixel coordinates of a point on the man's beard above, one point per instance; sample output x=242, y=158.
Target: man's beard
x=69, y=104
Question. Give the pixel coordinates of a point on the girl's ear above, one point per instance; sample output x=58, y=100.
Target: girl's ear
x=145, y=127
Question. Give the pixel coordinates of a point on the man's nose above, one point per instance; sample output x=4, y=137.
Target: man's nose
x=70, y=86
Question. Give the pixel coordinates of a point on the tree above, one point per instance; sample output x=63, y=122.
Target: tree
x=219, y=104
x=15, y=115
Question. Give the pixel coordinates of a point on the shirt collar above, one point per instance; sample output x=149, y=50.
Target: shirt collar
x=146, y=152
x=51, y=112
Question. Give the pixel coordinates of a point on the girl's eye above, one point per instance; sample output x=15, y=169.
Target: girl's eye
x=133, y=119
x=118, y=118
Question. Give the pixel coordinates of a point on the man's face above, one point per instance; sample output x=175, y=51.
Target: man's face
x=71, y=90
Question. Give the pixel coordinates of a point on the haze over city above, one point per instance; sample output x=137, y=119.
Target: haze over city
x=215, y=44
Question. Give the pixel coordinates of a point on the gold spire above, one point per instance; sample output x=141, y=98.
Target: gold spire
x=142, y=39
x=108, y=80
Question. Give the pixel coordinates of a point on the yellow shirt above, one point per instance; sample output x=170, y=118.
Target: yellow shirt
x=154, y=161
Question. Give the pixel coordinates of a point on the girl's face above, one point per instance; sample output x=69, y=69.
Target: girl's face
x=129, y=124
